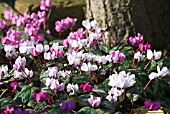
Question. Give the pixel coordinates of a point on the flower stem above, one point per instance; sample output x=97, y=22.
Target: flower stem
x=145, y=87
x=147, y=64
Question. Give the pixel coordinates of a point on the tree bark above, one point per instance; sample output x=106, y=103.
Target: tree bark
x=123, y=18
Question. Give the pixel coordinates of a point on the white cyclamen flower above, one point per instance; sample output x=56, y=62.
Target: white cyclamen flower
x=156, y=55
x=138, y=56
x=72, y=88
x=88, y=67
x=160, y=74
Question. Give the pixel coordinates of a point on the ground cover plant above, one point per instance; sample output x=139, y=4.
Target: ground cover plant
x=78, y=74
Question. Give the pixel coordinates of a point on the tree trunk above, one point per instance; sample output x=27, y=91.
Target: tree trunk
x=123, y=18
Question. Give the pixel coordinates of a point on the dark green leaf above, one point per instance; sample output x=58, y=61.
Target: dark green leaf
x=86, y=110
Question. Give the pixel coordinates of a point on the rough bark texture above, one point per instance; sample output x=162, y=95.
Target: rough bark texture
x=122, y=18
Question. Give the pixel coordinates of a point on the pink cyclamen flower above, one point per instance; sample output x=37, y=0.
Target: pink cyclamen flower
x=41, y=96
x=14, y=85
x=152, y=105
x=45, y=4
x=2, y=24
x=94, y=101
x=8, y=14
x=86, y=87
x=136, y=40
x=9, y=110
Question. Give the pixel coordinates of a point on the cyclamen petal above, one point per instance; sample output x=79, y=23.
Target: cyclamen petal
x=152, y=105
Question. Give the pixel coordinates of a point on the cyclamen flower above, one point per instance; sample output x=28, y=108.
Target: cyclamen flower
x=86, y=87
x=136, y=40
x=152, y=105
x=101, y=59
x=39, y=48
x=138, y=56
x=49, y=56
x=72, y=88
x=68, y=105
x=26, y=47
x=88, y=67
x=17, y=74
x=20, y=64
x=41, y=96
x=116, y=56
x=74, y=58
x=122, y=80
x=64, y=74
x=29, y=73
x=8, y=14
x=53, y=72
x=94, y=101
x=58, y=50
x=90, y=25
x=3, y=71
x=145, y=47
x=54, y=84
x=64, y=24
x=160, y=74
x=154, y=55
x=2, y=24
x=14, y=85
x=114, y=93
x=20, y=111
x=9, y=110
x=45, y=4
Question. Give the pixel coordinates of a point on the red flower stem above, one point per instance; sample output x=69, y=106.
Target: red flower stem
x=145, y=86
x=148, y=64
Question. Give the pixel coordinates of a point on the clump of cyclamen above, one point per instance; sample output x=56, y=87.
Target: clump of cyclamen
x=119, y=82
x=64, y=24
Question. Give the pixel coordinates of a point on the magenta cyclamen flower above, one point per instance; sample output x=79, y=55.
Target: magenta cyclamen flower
x=9, y=110
x=68, y=105
x=86, y=87
x=152, y=105
x=41, y=96
x=145, y=47
x=14, y=85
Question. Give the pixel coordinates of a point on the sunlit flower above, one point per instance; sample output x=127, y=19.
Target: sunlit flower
x=152, y=105
x=156, y=55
